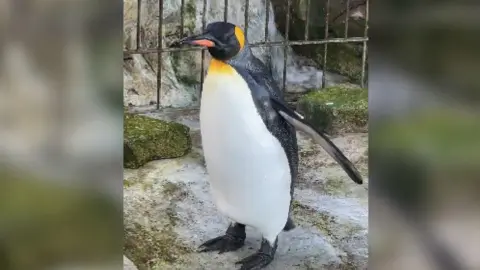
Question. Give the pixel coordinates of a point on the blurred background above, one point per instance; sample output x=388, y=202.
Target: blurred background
x=60, y=134
x=424, y=135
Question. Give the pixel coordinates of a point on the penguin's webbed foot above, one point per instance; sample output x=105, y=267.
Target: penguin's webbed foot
x=233, y=239
x=263, y=257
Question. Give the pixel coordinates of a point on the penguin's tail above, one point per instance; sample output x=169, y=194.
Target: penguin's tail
x=298, y=122
x=290, y=225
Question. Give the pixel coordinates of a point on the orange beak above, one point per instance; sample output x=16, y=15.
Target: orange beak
x=204, y=40
x=204, y=43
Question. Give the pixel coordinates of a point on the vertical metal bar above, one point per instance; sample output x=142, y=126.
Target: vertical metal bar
x=324, y=65
x=159, y=53
x=225, y=11
x=267, y=18
x=285, y=46
x=347, y=17
x=139, y=7
x=204, y=23
x=247, y=2
x=307, y=19
x=182, y=15
x=364, y=52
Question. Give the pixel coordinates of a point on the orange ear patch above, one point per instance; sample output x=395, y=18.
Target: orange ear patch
x=217, y=66
x=240, y=36
x=204, y=43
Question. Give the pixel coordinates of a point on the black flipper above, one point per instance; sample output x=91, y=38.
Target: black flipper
x=298, y=122
x=290, y=225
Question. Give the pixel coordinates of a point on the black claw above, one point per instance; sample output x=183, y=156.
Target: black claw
x=255, y=261
x=233, y=239
x=261, y=259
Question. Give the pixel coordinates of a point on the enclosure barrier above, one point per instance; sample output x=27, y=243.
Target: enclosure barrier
x=286, y=43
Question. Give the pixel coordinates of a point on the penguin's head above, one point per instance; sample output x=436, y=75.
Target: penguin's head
x=224, y=40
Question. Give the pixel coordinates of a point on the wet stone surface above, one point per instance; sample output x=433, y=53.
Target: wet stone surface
x=169, y=211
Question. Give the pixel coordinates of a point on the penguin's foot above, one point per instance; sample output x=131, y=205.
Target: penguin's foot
x=262, y=258
x=233, y=239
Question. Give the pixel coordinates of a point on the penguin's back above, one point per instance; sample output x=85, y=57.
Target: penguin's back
x=249, y=171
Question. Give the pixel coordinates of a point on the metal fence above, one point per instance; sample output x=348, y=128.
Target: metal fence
x=286, y=43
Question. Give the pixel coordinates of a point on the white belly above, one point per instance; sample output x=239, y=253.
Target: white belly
x=248, y=169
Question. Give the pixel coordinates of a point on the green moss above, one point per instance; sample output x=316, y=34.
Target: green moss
x=147, y=139
x=129, y=182
x=344, y=59
x=190, y=8
x=336, y=109
x=190, y=15
x=324, y=222
x=296, y=205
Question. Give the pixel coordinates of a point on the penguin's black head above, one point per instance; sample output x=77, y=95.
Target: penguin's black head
x=224, y=40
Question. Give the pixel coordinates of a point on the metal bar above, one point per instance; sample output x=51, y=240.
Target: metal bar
x=225, y=11
x=364, y=52
x=247, y=2
x=159, y=53
x=325, y=46
x=256, y=44
x=307, y=19
x=285, y=47
x=347, y=17
x=182, y=17
x=267, y=18
x=286, y=43
x=204, y=24
x=139, y=7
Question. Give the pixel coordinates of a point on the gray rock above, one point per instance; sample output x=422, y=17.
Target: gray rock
x=342, y=58
x=128, y=264
x=169, y=212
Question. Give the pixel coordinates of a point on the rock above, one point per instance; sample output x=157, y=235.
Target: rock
x=147, y=139
x=168, y=212
x=128, y=264
x=342, y=58
x=338, y=109
x=181, y=71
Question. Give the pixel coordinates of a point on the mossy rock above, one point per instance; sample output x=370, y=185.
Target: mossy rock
x=345, y=59
x=336, y=109
x=147, y=139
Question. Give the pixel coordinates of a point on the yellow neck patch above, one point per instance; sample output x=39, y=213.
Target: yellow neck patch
x=220, y=67
x=240, y=36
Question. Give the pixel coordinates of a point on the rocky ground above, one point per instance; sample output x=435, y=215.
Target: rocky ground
x=168, y=211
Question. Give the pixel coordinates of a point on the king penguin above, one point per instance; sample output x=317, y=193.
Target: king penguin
x=249, y=142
